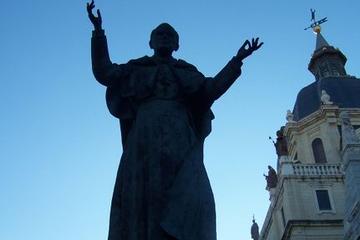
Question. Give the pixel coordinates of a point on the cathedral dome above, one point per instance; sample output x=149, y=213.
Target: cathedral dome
x=327, y=64
x=344, y=92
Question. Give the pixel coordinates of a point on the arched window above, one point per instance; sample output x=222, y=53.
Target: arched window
x=318, y=150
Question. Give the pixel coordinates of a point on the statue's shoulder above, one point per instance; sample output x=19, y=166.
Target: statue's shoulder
x=183, y=64
x=143, y=61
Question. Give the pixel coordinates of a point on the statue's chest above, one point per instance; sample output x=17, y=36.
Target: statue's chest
x=166, y=85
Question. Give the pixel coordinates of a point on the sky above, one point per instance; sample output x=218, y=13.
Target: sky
x=59, y=145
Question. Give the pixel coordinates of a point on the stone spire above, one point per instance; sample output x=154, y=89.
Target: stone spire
x=320, y=42
x=326, y=60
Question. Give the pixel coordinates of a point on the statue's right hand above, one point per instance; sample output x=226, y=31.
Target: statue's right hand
x=96, y=21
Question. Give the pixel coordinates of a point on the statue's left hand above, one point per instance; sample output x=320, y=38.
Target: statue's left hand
x=248, y=48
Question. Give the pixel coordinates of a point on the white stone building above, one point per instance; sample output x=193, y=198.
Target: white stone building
x=318, y=190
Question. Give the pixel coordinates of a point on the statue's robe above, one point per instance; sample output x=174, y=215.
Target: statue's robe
x=162, y=191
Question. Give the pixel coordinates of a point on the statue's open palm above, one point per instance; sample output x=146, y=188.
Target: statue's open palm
x=96, y=21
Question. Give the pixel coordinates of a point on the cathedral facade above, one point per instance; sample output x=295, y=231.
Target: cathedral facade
x=317, y=194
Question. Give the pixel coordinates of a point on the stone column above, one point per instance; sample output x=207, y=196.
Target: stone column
x=351, y=167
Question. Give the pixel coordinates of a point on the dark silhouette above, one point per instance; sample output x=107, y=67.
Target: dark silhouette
x=254, y=230
x=162, y=191
x=271, y=178
x=281, y=143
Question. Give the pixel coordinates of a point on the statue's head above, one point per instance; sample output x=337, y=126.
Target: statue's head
x=164, y=38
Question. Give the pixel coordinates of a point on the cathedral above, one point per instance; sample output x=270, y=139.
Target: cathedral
x=315, y=190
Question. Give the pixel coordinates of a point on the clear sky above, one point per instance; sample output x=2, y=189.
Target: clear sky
x=59, y=145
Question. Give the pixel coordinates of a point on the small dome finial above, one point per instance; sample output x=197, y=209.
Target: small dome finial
x=317, y=29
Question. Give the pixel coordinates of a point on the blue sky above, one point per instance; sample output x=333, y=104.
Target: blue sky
x=60, y=147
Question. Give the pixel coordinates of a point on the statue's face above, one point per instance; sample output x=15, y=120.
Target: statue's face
x=164, y=38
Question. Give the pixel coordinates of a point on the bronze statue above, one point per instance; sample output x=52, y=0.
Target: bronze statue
x=162, y=191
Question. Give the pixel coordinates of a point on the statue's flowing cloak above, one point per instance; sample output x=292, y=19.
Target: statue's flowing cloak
x=189, y=209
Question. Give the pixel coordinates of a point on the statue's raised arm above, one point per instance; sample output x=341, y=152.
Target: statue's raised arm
x=104, y=70
x=227, y=76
